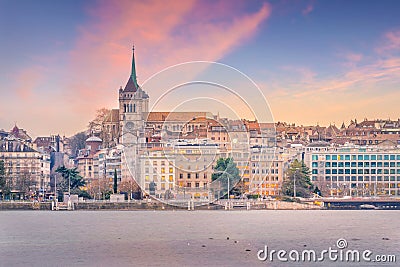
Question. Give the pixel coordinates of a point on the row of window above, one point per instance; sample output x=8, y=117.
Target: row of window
x=265, y=171
x=163, y=178
x=357, y=171
x=362, y=178
x=129, y=108
x=360, y=157
x=196, y=175
x=358, y=164
x=155, y=170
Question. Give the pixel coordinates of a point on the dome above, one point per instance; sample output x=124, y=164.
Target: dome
x=93, y=139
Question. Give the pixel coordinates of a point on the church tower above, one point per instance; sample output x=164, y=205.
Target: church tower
x=133, y=106
x=133, y=102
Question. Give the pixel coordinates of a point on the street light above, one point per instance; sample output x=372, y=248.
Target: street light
x=294, y=182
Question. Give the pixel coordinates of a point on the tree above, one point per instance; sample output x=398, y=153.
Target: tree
x=300, y=173
x=2, y=176
x=225, y=171
x=130, y=187
x=115, y=182
x=23, y=183
x=3, y=180
x=77, y=142
x=98, y=188
x=71, y=176
x=95, y=125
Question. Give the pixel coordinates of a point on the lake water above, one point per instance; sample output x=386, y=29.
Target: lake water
x=182, y=238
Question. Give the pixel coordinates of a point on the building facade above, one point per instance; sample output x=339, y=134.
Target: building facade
x=354, y=170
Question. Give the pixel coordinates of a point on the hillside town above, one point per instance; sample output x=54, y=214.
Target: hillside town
x=172, y=155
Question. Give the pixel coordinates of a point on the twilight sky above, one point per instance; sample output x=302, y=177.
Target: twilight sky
x=314, y=61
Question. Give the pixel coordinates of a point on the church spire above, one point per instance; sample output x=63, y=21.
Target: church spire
x=132, y=85
x=133, y=72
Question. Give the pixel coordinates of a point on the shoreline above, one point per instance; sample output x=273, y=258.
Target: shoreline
x=152, y=206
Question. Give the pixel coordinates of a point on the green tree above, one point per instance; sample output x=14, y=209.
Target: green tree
x=300, y=173
x=3, y=182
x=71, y=176
x=225, y=170
x=2, y=175
x=115, y=182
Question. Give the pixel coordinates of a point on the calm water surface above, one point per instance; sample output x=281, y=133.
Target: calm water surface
x=181, y=238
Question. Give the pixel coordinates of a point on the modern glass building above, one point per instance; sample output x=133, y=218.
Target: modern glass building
x=354, y=171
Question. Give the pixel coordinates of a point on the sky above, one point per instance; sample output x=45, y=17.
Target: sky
x=315, y=62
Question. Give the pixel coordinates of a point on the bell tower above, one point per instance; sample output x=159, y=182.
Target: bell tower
x=133, y=105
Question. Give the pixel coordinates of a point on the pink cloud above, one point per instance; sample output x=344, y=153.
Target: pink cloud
x=27, y=80
x=308, y=9
x=184, y=31
x=390, y=43
x=354, y=57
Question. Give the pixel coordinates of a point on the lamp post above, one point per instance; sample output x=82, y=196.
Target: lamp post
x=294, y=183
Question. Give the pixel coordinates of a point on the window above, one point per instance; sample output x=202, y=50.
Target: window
x=205, y=175
x=373, y=157
x=163, y=178
x=327, y=164
x=197, y=185
x=197, y=176
x=315, y=164
x=171, y=178
x=366, y=157
x=347, y=157
x=314, y=171
x=181, y=176
x=328, y=157
x=188, y=175
x=162, y=163
x=162, y=170
x=334, y=157
x=360, y=157
x=171, y=169
x=314, y=157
